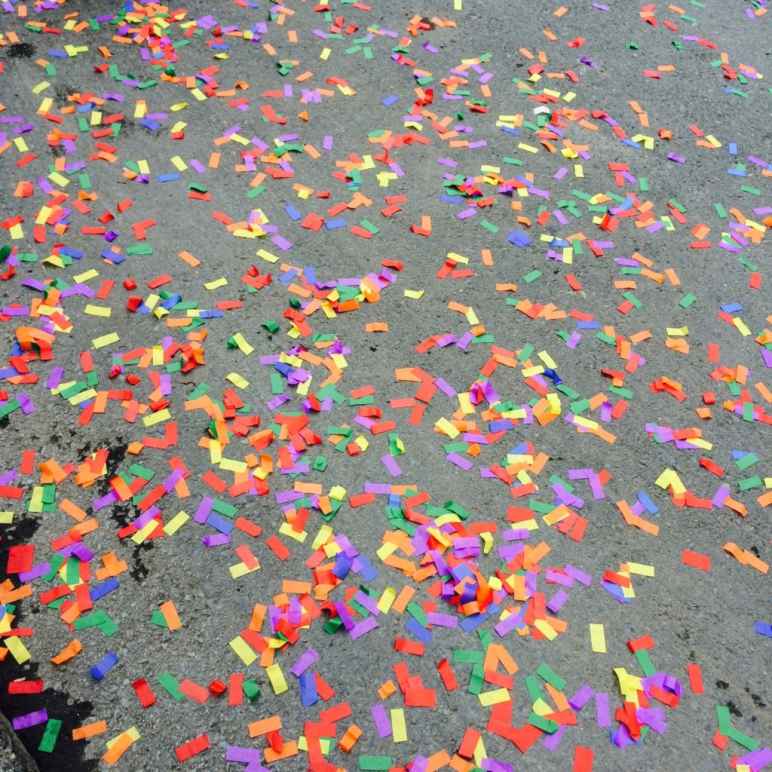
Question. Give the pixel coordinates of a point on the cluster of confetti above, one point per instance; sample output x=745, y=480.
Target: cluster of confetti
x=544, y=318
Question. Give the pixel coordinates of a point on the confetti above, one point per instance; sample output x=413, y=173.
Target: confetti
x=342, y=384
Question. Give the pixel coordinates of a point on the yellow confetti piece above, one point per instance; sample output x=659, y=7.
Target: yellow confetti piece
x=18, y=649
x=446, y=427
x=276, y=677
x=398, y=726
x=241, y=569
x=82, y=278
x=232, y=465
x=6, y=517
x=103, y=311
x=237, y=380
x=493, y=697
x=243, y=651
x=157, y=418
x=243, y=345
x=132, y=733
x=285, y=529
x=82, y=396
x=629, y=684
x=598, y=638
x=176, y=522
x=105, y=340
x=544, y=627
x=269, y=257
x=325, y=743
x=58, y=179
x=36, y=499
x=386, y=600
x=642, y=569
x=322, y=537
x=142, y=534
x=741, y=326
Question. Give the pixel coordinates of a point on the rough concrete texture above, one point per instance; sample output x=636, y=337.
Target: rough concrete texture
x=693, y=616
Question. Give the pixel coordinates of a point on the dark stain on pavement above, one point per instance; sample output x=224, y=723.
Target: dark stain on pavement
x=69, y=755
x=20, y=51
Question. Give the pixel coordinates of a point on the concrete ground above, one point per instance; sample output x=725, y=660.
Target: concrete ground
x=693, y=616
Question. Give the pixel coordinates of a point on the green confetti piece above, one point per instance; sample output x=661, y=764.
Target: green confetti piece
x=644, y=662
x=456, y=508
x=72, y=571
x=541, y=507
x=94, y=619
x=50, y=735
x=158, y=618
x=376, y=762
x=546, y=673
x=139, y=249
x=331, y=626
x=579, y=406
x=531, y=276
x=486, y=638
x=634, y=300
x=224, y=508
x=749, y=483
x=606, y=338
x=476, y=680
x=748, y=460
x=56, y=563
x=467, y=657
x=109, y=627
x=722, y=716
x=550, y=727
x=343, y=431
x=534, y=688
x=170, y=683
x=251, y=690
x=687, y=300
x=742, y=739
x=142, y=471
x=417, y=613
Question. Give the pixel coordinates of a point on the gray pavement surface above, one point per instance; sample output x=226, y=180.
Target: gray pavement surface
x=693, y=616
